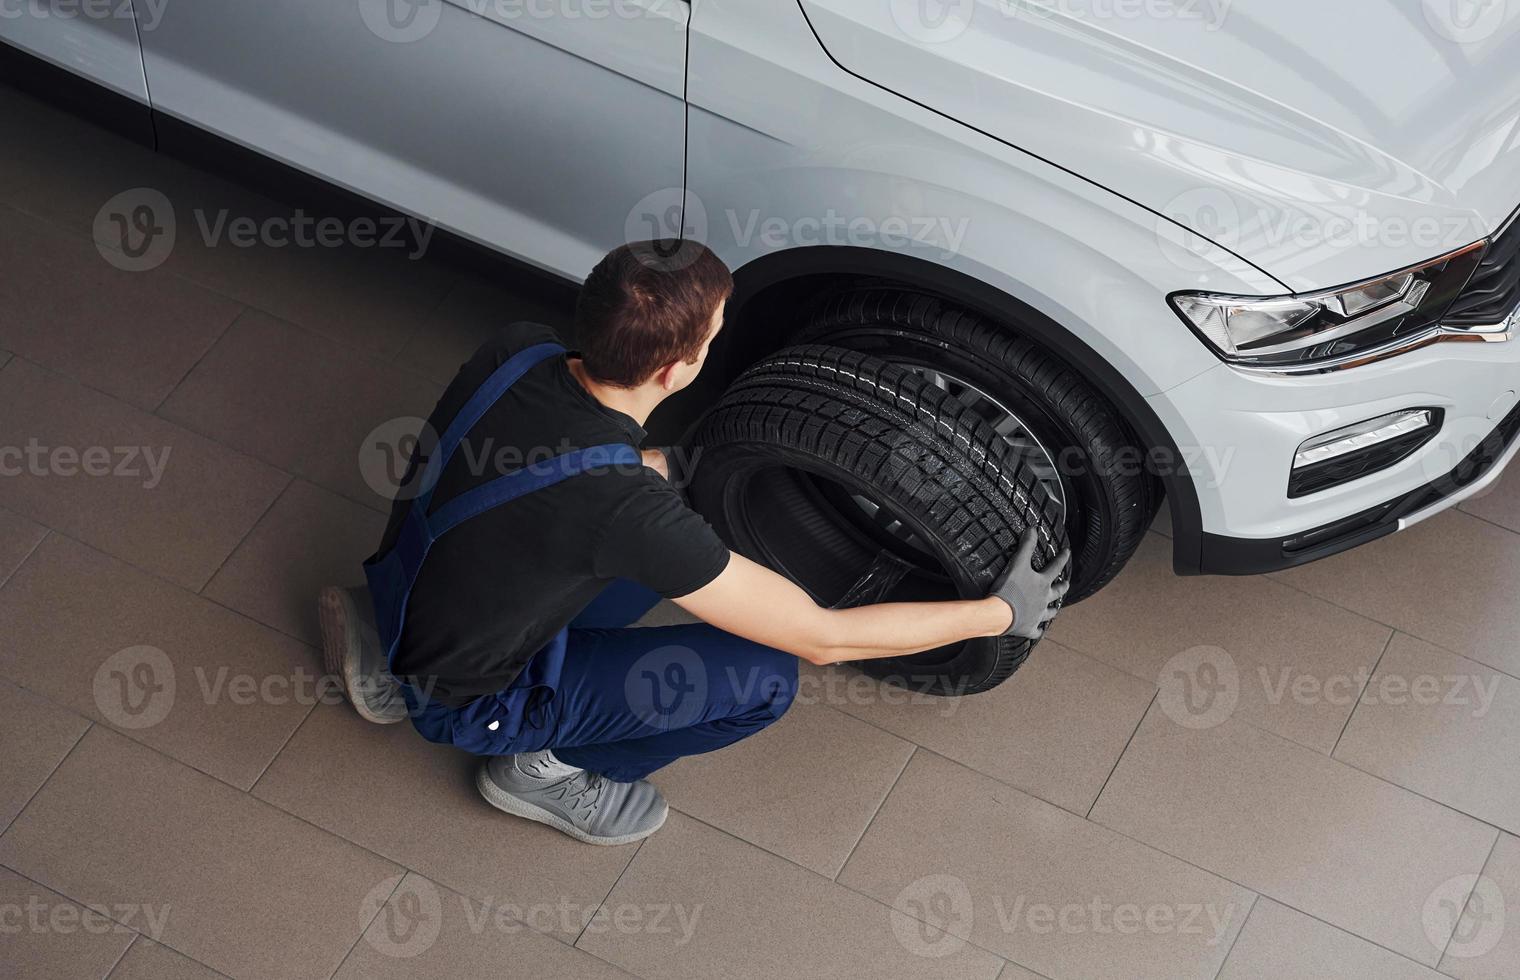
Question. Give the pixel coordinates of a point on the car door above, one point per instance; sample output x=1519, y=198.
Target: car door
x=544, y=128
x=97, y=40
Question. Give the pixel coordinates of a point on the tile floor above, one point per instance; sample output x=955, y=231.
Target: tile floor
x=1308, y=775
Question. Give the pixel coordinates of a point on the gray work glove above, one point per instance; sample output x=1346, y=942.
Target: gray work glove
x=1033, y=596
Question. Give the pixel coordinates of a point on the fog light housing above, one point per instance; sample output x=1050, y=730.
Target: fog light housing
x=1333, y=458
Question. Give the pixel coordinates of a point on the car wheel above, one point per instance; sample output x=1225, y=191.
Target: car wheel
x=864, y=482
x=1052, y=419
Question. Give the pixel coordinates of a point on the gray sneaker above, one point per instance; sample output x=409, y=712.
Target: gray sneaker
x=351, y=651
x=588, y=807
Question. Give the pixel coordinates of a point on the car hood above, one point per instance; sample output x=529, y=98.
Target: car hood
x=1323, y=142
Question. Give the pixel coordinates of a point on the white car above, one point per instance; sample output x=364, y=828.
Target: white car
x=1257, y=257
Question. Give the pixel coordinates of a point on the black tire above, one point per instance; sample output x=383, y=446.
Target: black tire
x=782, y=457
x=1110, y=500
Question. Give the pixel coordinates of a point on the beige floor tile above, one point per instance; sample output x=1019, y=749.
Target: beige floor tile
x=1279, y=943
x=147, y=960
x=18, y=537
x=1289, y=823
x=1486, y=942
x=1055, y=729
x=244, y=888
x=387, y=789
x=1500, y=503
x=207, y=686
x=310, y=538
x=1040, y=886
x=472, y=313
x=372, y=299
x=1410, y=581
x=1444, y=726
x=34, y=738
x=1013, y=971
x=48, y=937
x=426, y=931
x=133, y=335
x=815, y=759
x=1290, y=663
x=298, y=401
x=748, y=913
x=163, y=498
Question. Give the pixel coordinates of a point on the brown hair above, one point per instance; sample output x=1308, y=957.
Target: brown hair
x=646, y=305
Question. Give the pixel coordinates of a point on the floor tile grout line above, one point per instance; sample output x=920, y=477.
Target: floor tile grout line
x=424, y=319
x=1120, y=758
x=875, y=813
x=1357, y=704
x=364, y=927
x=125, y=950
x=599, y=905
x=453, y=271
x=822, y=877
x=1027, y=791
x=1224, y=961
x=1467, y=900
x=215, y=342
x=89, y=724
x=1462, y=509
x=46, y=533
x=274, y=501
x=311, y=709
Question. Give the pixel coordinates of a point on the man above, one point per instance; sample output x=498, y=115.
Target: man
x=530, y=537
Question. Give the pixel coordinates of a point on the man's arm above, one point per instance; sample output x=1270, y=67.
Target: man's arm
x=751, y=601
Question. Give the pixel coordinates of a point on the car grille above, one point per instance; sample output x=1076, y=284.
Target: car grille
x=1494, y=290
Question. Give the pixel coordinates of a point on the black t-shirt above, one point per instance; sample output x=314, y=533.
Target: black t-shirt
x=493, y=591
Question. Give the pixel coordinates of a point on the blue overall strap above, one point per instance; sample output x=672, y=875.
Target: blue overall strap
x=534, y=476
x=495, y=386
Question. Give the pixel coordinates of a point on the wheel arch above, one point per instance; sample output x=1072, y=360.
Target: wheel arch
x=779, y=280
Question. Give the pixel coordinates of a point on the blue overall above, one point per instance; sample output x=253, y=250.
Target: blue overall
x=617, y=701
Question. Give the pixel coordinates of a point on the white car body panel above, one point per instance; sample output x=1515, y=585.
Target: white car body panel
x=1087, y=164
x=98, y=42
x=848, y=148
x=499, y=130
x=1258, y=122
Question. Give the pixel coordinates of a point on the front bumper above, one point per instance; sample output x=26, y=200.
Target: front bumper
x=1239, y=432
x=1222, y=555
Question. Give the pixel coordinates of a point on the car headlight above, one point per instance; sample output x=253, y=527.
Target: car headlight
x=1274, y=331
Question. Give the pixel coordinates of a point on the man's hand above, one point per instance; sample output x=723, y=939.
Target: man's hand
x=1032, y=595
x=655, y=460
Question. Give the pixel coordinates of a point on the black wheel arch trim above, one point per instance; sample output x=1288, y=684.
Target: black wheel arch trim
x=746, y=343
